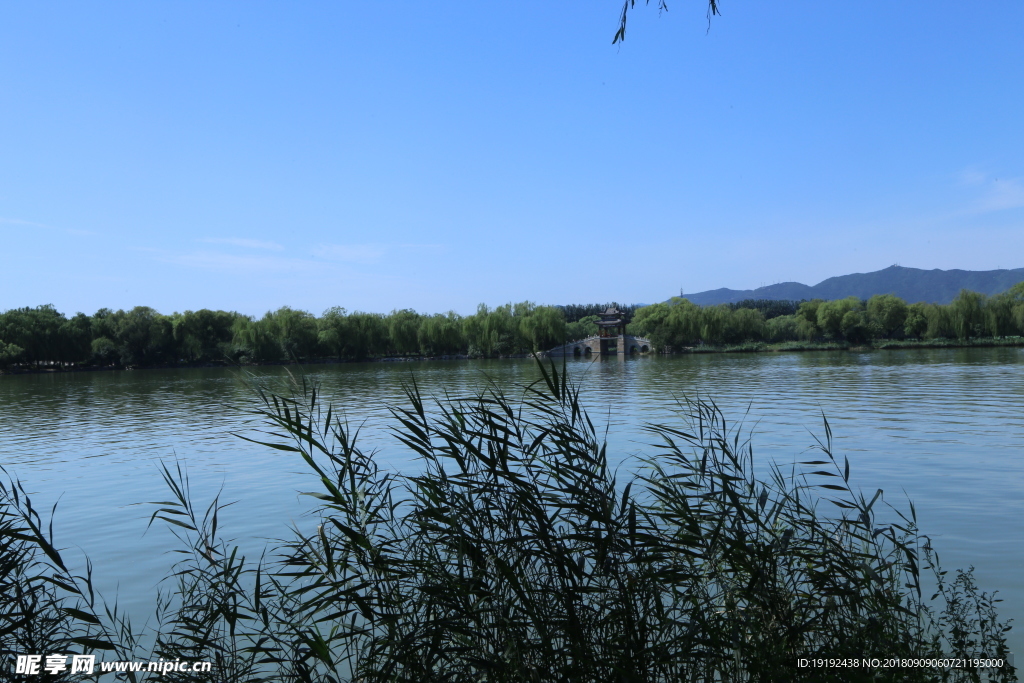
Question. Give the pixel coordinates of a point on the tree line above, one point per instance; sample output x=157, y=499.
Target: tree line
x=577, y=312
x=43, y=336
x=680, y=323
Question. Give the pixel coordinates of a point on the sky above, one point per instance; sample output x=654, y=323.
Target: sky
x=435, y=156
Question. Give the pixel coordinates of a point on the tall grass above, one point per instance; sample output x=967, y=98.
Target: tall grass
x=515, y=553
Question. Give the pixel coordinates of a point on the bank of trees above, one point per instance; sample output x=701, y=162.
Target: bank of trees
x=680, y=323
x=44, y=337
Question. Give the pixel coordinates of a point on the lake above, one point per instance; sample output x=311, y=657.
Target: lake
x=944, y=425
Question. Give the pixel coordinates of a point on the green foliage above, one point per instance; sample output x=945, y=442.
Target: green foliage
x=770, y=308
x=653, y=322
x=442, y=334
x=203, y=335
x=256, y=340
x=515, y=329
x=745, y=324
x=682, y=326
x=31, y=619
x=917, y=320
x=940, y=323
x=854, y=327
x=808, y=310
x=1000, y=318
x=103, y=323
x=367, y=332
x=35, y=331
x=713, y=323
x=361, y=335
x=807, y=330
x=9, y=353
x=890, y=313
x=679, y=324
x=577, y=312
x=782, y=328
x=543, y=327
x=832, y=313
x=493, y=332
x=966, y=314
x=144, y=337
x=515, y=553
x=332, y=334
x=104, y=351
x=295, y=331
x=44, y=338
x=44, y=608
x=404, y=328
x=583, y=328
x=74, y=339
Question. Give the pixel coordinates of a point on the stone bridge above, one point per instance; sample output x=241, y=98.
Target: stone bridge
x=625, y=344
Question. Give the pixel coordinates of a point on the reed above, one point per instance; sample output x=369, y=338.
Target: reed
x=516, y=553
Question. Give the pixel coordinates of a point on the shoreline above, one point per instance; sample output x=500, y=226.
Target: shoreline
x=747, y=347
x=52, y=370
x=878, y=345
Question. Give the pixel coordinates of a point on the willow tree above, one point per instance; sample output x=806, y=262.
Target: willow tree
x=620, y=35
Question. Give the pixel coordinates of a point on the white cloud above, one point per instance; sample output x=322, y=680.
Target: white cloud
x=31, y=224
x=326, y=260
x=972, y=176
x=235, y=263
x=241, y=242
x=351, y=253
x=996, y=194
x=18, y=221
x=371, y=253
x=1003, y=194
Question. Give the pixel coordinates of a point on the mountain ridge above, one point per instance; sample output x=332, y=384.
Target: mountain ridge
x=911, y=284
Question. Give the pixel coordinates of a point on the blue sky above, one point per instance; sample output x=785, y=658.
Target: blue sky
x=435, y=156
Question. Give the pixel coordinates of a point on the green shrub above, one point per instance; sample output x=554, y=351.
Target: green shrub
x=9, y=353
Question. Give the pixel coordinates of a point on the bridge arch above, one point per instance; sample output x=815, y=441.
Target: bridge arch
x=595, y=345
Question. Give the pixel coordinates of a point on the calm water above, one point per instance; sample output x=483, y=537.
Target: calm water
x=946, y=426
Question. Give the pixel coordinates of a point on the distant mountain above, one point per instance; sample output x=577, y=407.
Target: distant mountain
x=911, y=284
